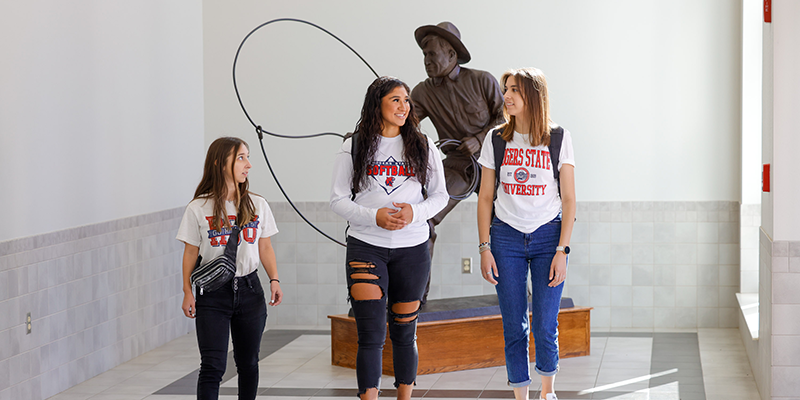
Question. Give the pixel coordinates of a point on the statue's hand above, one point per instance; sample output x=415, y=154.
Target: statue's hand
x=470, y=146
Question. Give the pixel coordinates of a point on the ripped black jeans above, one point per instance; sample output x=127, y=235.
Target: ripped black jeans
x=401, y=275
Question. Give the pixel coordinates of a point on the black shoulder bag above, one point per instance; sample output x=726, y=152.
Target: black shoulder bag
x=219, y=271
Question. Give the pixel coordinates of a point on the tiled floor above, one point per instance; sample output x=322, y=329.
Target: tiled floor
x=708, y=364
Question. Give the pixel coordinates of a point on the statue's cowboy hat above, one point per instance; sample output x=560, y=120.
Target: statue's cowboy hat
x=447, y=31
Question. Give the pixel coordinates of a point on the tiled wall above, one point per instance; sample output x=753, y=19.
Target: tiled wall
x=657, y=264
x=782, y=318
x=643, y=265
x=760, y=351
x=98, y=295
x=102, y=294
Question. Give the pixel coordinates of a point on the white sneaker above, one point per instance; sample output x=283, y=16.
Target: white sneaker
x=551, y=396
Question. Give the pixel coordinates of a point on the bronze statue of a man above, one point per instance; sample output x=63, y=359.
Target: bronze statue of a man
x=463, y=104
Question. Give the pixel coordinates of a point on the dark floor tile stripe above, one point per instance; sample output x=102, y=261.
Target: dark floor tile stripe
x=349, y=392
x=679, y=351
x=289, y=392
x=271, y=341
x=229, y=391
x=498, y=394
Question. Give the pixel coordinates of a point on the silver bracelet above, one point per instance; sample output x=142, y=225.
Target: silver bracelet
x=483, y=247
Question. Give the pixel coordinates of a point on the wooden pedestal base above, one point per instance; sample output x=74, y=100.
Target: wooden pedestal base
x=460, y=344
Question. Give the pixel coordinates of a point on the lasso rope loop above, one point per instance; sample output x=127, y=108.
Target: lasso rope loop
x=261, y=131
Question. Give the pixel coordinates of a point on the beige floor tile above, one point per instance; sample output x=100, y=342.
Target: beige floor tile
x=722, y=389
x=86, y=388
x=272, y=398
x=110, y=378
x=71, y=396
x=307, y=359
x=159, y=375
x=735, y=396
x=119, y=396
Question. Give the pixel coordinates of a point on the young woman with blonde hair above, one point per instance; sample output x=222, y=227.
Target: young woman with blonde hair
x=531, y=227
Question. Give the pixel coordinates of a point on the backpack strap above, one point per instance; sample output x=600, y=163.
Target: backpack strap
x=353, y=149
x=499, y=146
x=425, y=163
x=556, y=137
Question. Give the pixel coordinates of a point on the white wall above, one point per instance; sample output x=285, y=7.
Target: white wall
x=650, y=90
x=786, y=120
x=752, y=25
x=101, y=111
x=767, y=125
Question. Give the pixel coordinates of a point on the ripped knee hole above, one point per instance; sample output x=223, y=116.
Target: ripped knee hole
x=406, y=312
x=366, y=291
x=363, y=275
x=361, y=264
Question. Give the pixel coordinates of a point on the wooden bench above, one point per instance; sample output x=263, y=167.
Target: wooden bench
x=460, y=344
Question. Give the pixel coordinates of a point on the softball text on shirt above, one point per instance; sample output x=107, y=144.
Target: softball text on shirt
x=390, y=174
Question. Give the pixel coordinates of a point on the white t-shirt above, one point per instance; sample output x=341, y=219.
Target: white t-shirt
x=196, y=230
x=391, y=180
x=527, y=197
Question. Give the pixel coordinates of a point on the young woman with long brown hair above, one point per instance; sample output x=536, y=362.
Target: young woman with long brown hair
x=222, y=200
x=379, y=191
x=531, y=230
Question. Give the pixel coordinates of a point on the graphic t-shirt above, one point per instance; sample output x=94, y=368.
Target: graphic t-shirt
x=197, y=229
x=527, y=197
x=391, y=179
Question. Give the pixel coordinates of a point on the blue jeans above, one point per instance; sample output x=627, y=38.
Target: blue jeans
x=516, y=253
x=238, y=307
x=402, y=274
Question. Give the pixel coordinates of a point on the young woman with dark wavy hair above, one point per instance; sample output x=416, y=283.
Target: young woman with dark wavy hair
x=381, y=196
x=222, y=200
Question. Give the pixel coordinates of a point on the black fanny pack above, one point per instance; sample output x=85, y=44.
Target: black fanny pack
x=219, y=271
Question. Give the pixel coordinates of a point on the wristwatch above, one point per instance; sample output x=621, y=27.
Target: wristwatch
x=565, y=249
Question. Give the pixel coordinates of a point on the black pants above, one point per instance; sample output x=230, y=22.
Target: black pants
x=240, y=308
x=401, y=275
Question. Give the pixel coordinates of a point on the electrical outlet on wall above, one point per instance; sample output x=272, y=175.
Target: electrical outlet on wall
x=28, y=323
x=466, y=265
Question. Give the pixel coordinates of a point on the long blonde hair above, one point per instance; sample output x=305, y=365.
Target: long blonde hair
x=213, y=185
x=533, y=88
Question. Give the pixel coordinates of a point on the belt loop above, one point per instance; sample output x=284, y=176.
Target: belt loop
x=249, y=280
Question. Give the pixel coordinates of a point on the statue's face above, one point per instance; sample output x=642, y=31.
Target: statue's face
x=438, y=61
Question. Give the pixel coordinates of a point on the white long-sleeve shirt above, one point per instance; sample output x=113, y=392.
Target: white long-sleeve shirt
x=391, y=179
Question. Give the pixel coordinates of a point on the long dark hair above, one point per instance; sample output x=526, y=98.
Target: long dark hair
x=370, y=125
x=213, y=185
